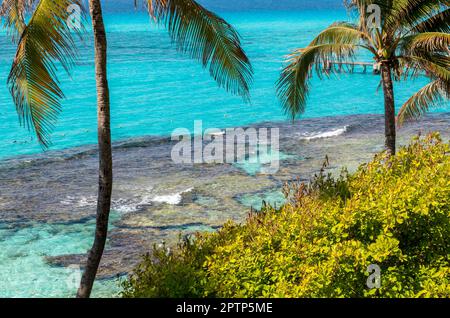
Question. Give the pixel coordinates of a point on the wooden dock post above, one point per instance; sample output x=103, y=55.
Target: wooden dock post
x=376, y=68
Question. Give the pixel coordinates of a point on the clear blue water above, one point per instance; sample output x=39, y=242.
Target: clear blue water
x=155, y=89
x=24, y=271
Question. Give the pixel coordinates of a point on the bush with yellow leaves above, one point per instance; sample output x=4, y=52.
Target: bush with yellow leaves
x=393, y=212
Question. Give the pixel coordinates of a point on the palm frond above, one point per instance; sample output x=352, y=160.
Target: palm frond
x=439, y=22
x=340, y=32
x=293, y=85
x=46, y=42
x=209, y=39
x=436, y=65
x=429, y=96
x=408, y=13
x=12, y=13
x=361, y=7
x=344, y=33
x=426, y=41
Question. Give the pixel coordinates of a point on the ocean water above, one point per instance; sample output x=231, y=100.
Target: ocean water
x=47, y=200
x=155, y=89
x=25, y=271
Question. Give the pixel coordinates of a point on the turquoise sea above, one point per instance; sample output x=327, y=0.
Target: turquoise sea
x=154, y=90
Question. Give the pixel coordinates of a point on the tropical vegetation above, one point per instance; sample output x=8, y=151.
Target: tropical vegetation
x=393, y=212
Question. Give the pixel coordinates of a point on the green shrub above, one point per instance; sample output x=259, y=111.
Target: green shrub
x=393, y=212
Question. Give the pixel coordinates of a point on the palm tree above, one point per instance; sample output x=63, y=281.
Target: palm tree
x=412, y=38
x=46, y=41
x=105, y=172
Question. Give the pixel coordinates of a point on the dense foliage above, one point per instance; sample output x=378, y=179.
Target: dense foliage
x=393, y=212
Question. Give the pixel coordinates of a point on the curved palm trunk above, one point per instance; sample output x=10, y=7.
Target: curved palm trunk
x=389, y=108
x=105, y=155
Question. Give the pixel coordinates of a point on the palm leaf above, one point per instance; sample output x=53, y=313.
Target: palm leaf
x=426, y=41
x=408, y=13
x=13, y=13
x=396, y=15
x=361, y=8
x=340, y=32
x=435, y=64
x=429, y=96
x=439, y=22
x=344, y=33
x=46, y=42
x=293, y=85
x=207, y=38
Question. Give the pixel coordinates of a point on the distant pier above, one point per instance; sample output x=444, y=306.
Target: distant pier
x=327, y=65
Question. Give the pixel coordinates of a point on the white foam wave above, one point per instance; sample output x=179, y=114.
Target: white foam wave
x=79, y=202
x=172, y=199
x=125, y=205
x=326, y=134
x=119, y=205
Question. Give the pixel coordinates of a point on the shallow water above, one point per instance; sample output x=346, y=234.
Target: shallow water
x=24, y=270
x=48, y=205
x=47, y=200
